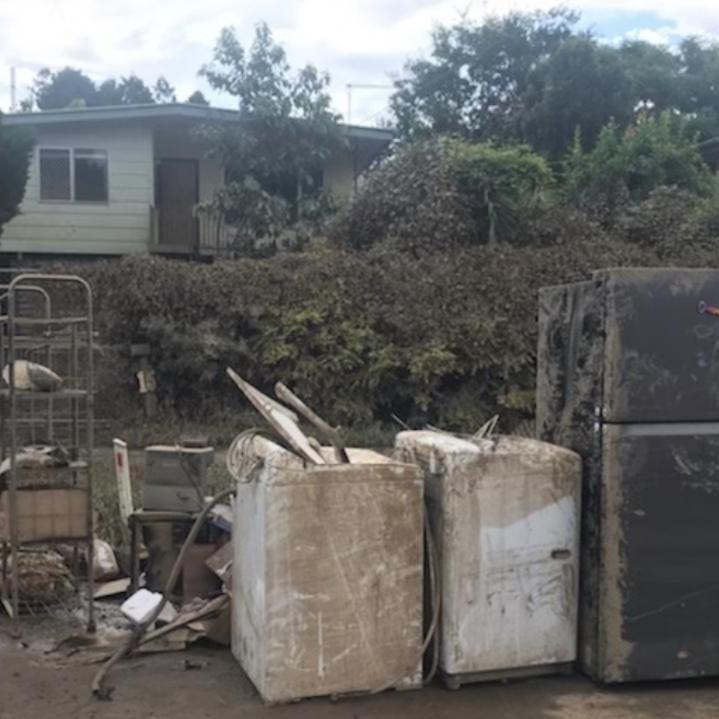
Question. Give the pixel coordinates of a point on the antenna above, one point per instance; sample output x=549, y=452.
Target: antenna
x=351, y=86
x=13, y=90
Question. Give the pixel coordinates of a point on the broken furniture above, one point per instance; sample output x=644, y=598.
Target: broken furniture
x=327, y=573
x=45, y=501
x=628, y=377
x=505, y=518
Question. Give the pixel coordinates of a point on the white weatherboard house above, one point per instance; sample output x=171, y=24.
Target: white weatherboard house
x=118, y=180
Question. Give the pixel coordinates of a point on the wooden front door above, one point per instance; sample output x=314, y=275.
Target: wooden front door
x=177, y=194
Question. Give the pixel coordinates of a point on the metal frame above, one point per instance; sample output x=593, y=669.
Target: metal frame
x=79, y=395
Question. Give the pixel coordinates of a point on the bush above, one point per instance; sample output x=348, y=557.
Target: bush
x=15, y=148
x=444, y=194
x=445, y=338
x=626, y=167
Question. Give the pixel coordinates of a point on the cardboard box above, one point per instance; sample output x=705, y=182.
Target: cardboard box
x=45, y=514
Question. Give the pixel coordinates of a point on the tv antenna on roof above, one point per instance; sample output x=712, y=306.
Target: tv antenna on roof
x=355, y=86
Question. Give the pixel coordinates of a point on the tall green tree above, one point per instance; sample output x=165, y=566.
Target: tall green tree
x=197, y=98
x=70, y=87
x=699, y=85
x=286, y=131
x=582, y=85
x=163, y=91
x=476, y=77
x=15, y=148
x=56, y=90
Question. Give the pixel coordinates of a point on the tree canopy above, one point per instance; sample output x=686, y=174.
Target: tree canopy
x=71, y=87
x=535, y=78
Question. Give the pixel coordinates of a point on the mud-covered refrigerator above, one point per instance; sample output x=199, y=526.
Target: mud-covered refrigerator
x=628, y=376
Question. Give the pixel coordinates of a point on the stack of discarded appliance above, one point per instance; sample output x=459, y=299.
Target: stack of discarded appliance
x=329, y=577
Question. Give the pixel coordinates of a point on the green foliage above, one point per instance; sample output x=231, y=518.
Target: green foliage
x=628, y=165
x=444, y=194
x=443, y=338
x=477, y=75
x=70, y=87
x=275, y=153
x=501, y=185
x=52, y=90
x=197, y=98
x=15, y=148
x=163, y=91
x=534, y=78
x=579, y=88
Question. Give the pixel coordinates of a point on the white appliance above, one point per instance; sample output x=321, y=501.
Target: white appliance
x=327, y=573
x=505, y=516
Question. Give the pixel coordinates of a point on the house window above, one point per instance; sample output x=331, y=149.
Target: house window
x=78, y=175
x=90, y=176
x=55, y=175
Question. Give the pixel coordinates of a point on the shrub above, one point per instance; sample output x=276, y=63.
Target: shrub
x=15, y=148
x=446, y=338
x=444, y=194
x=626, y=167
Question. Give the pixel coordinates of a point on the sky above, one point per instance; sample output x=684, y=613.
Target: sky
x=359, y=42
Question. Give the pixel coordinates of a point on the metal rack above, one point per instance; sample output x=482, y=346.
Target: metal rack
x=56, y=331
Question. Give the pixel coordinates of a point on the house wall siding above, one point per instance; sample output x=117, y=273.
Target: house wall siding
x=120, y=226
x=339, y=174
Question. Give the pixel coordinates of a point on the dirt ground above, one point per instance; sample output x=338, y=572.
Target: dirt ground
x=159, y=686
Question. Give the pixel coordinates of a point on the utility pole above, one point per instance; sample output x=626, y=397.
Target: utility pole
x=13, y=90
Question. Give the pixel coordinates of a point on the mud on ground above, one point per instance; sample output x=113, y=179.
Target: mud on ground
x=36, y=683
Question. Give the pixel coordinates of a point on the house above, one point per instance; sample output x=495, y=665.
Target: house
x=117, y=180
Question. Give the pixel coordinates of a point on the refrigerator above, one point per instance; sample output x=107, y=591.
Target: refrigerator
x=628, y=377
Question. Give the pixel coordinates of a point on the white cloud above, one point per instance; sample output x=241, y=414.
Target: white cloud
x=357, y=41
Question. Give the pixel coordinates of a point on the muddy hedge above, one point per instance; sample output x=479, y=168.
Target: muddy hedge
x=447, y=338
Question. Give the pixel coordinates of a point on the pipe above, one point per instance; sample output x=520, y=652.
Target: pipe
x=99, y=689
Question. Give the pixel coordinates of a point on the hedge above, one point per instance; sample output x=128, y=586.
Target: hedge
x=447, y=339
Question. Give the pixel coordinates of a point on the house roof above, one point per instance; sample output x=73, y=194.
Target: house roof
x=154, y=111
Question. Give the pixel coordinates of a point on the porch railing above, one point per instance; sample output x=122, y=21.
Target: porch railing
x=212, y=237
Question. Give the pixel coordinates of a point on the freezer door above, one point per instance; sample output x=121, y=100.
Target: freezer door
x=661, y=351
x=659, y=583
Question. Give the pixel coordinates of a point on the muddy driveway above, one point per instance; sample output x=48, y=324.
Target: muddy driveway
x=205, y=681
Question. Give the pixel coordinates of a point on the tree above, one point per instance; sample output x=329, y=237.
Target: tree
x=698, y=82
x=15, y=148
x=109, y=93
x=476, y=78
x=582, y=85
x=163, y=91
x=197, y=98
x=285, y=132
x=654, y=73
x=134, y=91
x=72, y=88
x=628, y=165
x=56, y=90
